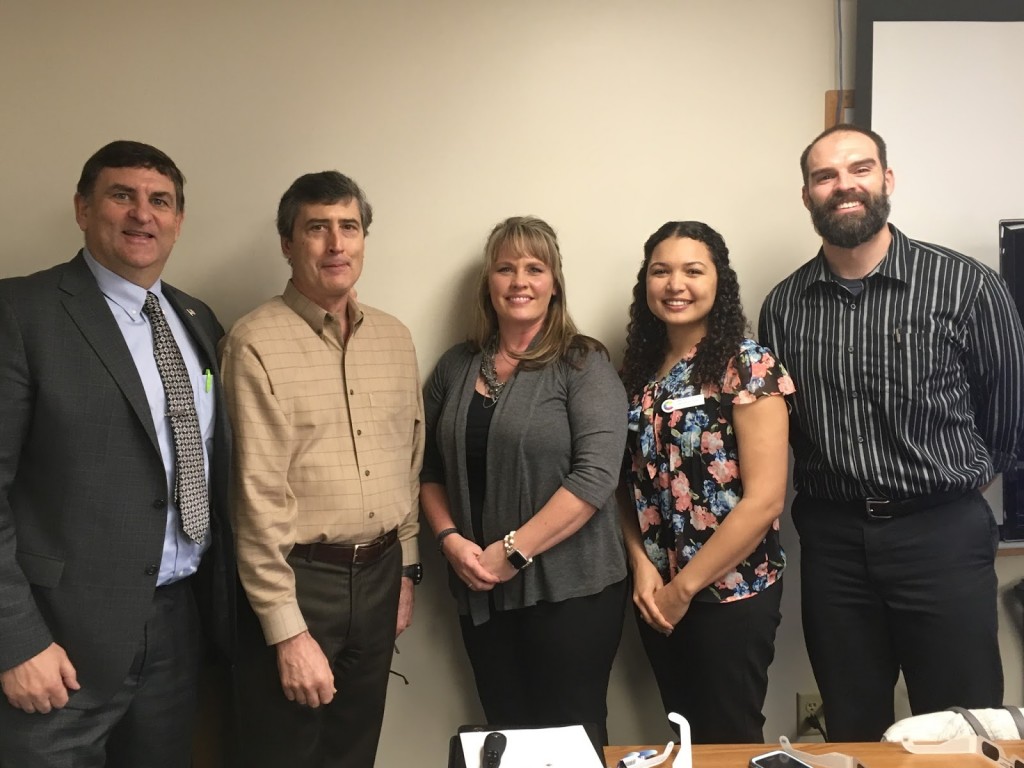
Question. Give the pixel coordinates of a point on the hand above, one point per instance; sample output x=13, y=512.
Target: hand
x=494, y=560
x=647, y=584
x=42, y=682
x=306, y=677
x=405, y=602
x=464, y=557
x=672, y=603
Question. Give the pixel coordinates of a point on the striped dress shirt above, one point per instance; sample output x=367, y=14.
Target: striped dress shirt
x=912, y=387
x=328, y=441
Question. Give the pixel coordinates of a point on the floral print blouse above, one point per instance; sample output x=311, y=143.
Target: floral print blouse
x=683, y=471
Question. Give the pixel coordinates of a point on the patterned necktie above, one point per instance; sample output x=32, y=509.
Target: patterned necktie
x=189, y=473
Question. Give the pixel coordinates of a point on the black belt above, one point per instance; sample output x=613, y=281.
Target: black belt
x=346, y=554
x=887, y=509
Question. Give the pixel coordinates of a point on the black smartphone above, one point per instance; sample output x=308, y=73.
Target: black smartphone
x=777, y=759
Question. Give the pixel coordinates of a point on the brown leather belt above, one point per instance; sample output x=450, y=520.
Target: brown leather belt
x=346, y=554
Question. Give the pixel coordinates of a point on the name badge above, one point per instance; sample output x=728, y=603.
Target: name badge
x=680, y=403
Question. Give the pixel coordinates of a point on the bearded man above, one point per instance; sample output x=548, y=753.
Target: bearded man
x=909, y=364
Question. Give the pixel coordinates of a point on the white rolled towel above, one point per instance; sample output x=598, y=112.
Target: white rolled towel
x=940, y=726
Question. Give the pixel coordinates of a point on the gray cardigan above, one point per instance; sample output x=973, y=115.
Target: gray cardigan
x=553, y=427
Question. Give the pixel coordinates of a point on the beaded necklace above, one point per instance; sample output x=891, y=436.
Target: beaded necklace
x=490, y=373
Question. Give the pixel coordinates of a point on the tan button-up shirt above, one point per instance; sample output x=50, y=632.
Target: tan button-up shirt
x=328, y=441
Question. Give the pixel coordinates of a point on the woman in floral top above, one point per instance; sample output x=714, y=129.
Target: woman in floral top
x=703, y=536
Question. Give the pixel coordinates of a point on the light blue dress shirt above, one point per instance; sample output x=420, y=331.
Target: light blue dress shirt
x=181, y=555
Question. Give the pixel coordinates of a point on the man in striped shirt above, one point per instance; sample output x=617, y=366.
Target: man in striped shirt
x=909, y=363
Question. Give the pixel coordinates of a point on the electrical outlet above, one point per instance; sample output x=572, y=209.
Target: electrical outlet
x=807, y=704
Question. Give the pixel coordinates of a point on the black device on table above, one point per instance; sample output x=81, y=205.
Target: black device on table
x=493, y=749
x=457, y=760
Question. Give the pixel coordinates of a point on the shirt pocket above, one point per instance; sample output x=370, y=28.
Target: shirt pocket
x=394, y=416
x=205, y=409
x=926, y=361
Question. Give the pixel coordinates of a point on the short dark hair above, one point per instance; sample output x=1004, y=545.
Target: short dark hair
x=325, y=187
x=844, y=128
x=131, y=154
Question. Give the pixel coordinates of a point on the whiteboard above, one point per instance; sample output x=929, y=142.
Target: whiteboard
x=948, y=98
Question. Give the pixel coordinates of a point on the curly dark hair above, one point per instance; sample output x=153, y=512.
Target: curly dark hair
x=646, y=335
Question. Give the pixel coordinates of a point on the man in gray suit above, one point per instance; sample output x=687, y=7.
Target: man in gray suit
x=116, y=567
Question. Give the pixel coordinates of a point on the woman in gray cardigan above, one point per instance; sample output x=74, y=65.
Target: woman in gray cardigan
x=526, y=426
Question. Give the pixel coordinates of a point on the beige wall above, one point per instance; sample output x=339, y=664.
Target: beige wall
x=605, y=118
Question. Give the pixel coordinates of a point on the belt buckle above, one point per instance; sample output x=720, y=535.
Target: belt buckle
x=357, y=549
x=875, y=509
x=367, y=548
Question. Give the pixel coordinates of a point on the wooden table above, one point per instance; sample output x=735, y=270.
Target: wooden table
x=871, y=755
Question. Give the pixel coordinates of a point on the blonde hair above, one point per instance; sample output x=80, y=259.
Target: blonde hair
x=530, y=236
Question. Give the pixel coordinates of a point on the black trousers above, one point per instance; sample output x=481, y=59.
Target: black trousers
x=352, y=612
x=149, y=722
x=916, y=593
x=713, y=668
x=548, y=664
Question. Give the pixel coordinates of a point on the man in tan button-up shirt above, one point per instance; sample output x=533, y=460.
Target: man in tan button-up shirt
x=324, y=394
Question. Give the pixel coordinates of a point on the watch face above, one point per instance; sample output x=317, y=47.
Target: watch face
x=518, y=561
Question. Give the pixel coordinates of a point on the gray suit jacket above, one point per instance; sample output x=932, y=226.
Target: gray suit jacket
x=83, y=494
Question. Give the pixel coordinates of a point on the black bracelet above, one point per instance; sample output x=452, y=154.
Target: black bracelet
x=442, y=536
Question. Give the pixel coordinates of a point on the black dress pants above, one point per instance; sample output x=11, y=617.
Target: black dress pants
x=915, y=593
x=713, y=668
x=548, y=664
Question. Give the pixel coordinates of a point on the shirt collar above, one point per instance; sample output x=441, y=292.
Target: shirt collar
x=315, y=316
x=893, y=265
x=125, y=294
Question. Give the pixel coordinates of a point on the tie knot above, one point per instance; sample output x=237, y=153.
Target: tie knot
x=152, y=304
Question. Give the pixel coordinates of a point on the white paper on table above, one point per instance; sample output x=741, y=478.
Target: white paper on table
x=567, y=747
